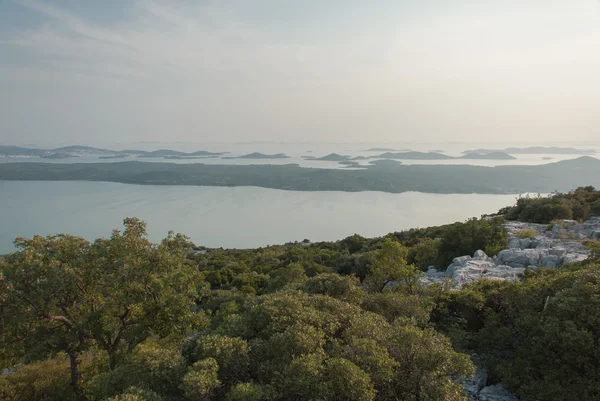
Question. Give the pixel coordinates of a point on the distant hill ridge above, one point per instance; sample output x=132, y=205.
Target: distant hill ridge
x=441, y=156
x=78, y=150
x=551, y=150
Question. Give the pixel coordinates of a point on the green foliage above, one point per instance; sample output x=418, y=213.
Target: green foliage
x=390, y=267
x=246, y=392
x=578, y=204
x=346, y=381
x=231, y=355
x=63, y=294
x=539, y=337
x=439, y=245
x=136, y=321
x=594, y=248
x=301, y=346
x=201, y=381
x=395, y=305
x=136, y=394
x=334, y=285
x=43, y=381
x=461, y=239
x=151, y=367
x=425, y=252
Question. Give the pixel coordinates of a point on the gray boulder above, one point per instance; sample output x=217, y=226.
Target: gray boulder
x=514, y=243
x=475, y=384
x=478, y=269
x=550, y=261
x=525, y=243
x=433, y=276
x=574, y=257
x=496, y=392
x=461, y=260
x=519, y=257
x=480, y=255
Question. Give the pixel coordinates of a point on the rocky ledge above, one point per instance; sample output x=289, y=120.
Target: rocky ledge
x=548, y=246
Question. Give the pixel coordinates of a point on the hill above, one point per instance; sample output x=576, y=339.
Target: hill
x=257, y=155
x=332, y=157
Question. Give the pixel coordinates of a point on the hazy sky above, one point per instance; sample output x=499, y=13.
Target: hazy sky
x=299, y=70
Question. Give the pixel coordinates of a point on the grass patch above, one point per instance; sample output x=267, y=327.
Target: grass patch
x=526, y=233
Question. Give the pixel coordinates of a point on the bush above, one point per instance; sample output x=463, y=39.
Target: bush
x=539, y=337
x=461, y=239
x=136, y=394
x=579, y=204
x=202, y=380
x=43, y=381
x=246, y=392
x=424, y=253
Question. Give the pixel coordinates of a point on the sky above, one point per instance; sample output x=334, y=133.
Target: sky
x=518, y=71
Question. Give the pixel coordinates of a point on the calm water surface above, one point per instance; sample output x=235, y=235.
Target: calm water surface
x=237, y=217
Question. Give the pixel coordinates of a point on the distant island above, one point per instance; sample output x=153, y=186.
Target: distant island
x=536, y=150
x=58, y=156
x=349, y=163
x=488, y=156
x=441, y=156
x=257, y=155
x=332, y=157
x=385, y=163
x=119, y=156
x=176, y=157
x=171, y=153
x=413, y=156
x=75, y=151
x=384, y=175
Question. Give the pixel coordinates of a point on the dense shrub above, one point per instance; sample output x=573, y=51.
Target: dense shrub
x=540, y=337
x=44, y=381
x=579, y=204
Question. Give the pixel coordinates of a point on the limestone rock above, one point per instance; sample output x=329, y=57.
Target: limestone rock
x=496, y=393
x=519, y=257
x=480, y=255
x=475, y=384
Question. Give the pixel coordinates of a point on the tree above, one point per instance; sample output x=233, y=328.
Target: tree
x=246, y=392
x=201, y=380
x=63, y=294
x=348, y=382
x=390, y=266
x=426, y=365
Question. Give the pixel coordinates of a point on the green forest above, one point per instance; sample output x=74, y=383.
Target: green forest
x=124, y=319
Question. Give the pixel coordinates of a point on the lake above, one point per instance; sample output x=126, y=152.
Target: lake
x=239, y=217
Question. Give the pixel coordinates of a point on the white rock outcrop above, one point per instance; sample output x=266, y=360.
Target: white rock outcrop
x=550, y=247
x=496, y=392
